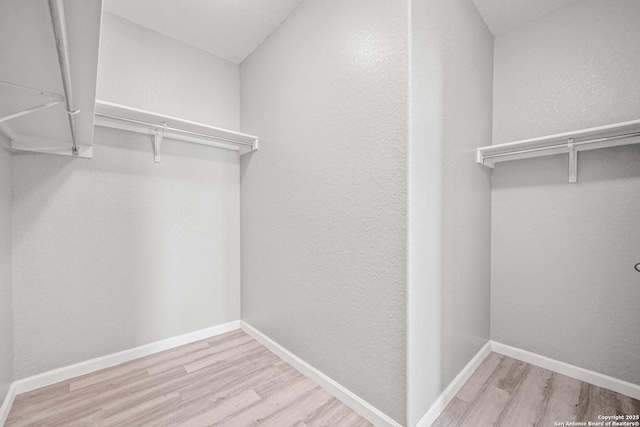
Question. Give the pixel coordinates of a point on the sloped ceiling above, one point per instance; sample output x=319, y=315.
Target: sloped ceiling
x=504, y=15
x=230, y=29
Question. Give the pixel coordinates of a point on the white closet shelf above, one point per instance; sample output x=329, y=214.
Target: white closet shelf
x=613, y=135
x=161, y=126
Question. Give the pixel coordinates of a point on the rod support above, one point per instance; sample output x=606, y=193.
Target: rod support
x=158, y=134
x=30, y=110
x=573, y=161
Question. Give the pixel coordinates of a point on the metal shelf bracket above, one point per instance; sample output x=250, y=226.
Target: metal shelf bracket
x=573, y=161
x=30, y=110
x=157, y=141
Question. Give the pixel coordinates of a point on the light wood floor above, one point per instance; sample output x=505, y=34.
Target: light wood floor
x=230, y=380
x=506, y=392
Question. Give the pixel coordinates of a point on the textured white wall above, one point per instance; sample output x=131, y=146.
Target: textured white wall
x=118, y=251
x=6, y=317
x=563, y=283
x=139, y=67
x=572, y=69
x=450, y=195
x=324, y=200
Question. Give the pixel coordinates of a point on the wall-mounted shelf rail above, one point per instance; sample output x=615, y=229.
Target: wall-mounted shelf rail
x=160, y=126
x=624, y=133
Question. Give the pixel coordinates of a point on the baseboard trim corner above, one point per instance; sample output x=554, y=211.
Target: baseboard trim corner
x=6, y=404
x=582, y=374
x=92, y=365
x=454, y=387
x=349, y=398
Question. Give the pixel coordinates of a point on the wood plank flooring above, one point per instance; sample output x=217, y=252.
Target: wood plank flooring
x=229, y=380
x=506, y=392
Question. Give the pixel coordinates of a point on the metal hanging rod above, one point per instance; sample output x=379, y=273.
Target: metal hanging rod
x=573, y=142
x=173, y=129
x=160, y=126
x=563, y=145
x=56, y=8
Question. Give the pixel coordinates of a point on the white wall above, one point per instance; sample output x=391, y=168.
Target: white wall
x=139, y=67
x=450, y=196
x=118, y=251
x=563, y=283
x=324, y=200
x=6, y=317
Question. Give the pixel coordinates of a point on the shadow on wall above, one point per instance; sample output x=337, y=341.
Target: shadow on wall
x=593, y=166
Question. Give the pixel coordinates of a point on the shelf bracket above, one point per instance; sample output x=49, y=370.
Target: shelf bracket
x=573, y=161
x=157, y=141
x=31, y=89
x=30, y=110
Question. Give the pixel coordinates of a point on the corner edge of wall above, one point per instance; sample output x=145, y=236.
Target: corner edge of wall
x=346, y=396
x=454, y=387
x=7, y=403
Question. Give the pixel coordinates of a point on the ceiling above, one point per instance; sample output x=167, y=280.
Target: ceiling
x=504, y=15
x=230, y=29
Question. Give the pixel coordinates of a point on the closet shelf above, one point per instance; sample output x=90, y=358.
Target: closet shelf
x=613, y=135
x=160, y=126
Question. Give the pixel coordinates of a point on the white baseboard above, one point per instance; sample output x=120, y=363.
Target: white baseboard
x=591, y=377
x=82, y=368
x=454, y=387
x=349, y=398
x=6, y=405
